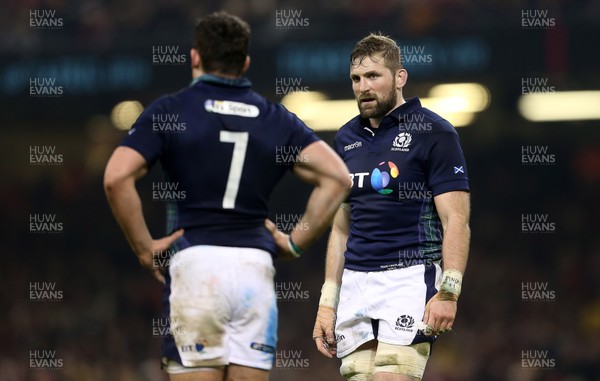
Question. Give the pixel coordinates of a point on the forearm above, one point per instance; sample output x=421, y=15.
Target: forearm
x=334, y=262
x=322, y=205
x=455, y=245
x=126, y=206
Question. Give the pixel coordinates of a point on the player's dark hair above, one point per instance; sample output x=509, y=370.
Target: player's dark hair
x=377, y=44
x=222, y=40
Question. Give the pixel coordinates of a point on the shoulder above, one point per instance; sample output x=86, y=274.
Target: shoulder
x=168, y=101
x=438, y=123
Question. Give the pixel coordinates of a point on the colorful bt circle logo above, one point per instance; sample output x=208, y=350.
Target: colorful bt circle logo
x=380, y=179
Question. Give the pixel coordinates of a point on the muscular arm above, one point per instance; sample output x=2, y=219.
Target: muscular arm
x=336, y=246
x=324, y=330
x=123, y=169
x=454, y=211
x=323, y=168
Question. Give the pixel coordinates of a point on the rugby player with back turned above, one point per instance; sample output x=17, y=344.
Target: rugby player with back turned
x=219, y=294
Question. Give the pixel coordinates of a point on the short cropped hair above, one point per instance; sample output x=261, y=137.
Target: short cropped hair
x=222, y=40
x=377, y=44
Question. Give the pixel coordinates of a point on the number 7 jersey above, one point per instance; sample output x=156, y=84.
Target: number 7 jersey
x=223, y=148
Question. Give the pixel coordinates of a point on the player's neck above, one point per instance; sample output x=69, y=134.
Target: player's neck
x=197, y=72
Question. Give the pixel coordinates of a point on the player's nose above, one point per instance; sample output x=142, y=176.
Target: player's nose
x=363, y=85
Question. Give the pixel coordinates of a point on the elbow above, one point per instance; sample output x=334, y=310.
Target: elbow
x=344, y=181
x=111, y=183
x=343, y=184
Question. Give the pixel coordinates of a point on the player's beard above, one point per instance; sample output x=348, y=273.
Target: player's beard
x=382, y=106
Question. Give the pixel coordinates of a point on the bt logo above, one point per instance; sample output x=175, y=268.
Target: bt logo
x=380, y=178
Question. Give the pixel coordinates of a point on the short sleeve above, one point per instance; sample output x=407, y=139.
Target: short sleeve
x=301, y=136
x=446, y=169
x=143, y=138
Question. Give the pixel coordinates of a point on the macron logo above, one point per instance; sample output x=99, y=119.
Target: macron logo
x=354, y=145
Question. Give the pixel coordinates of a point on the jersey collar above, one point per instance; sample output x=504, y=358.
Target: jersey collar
x=411, y=105
x=209, y=78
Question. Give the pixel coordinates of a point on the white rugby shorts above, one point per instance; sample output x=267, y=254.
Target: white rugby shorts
x=223, y=308
x=384, y=305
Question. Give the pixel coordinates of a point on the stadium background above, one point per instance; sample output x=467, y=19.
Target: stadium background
x=100, y=324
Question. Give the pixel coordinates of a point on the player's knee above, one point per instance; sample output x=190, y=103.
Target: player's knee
x=358, y=365
x=408, y=360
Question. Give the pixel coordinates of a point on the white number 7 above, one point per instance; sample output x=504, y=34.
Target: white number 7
x=240, y=143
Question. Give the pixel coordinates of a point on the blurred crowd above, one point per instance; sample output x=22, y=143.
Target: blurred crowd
x=117, y=25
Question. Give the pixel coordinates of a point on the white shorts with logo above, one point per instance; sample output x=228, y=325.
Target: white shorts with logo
x=223, y=308
x=384, y=305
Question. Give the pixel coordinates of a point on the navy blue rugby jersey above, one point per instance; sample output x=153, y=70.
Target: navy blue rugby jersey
x=397, y=169
x=223, y=148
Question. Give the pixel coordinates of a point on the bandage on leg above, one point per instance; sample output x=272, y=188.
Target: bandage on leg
x=358, y=365
x=409, y=360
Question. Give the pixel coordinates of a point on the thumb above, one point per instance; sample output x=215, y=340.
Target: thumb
x=156, y=273
x=270, y=226
x=426, y=315
x=174, y=236
x=329, y=334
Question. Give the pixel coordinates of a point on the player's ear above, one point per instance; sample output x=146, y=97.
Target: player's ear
x=246, y=65
x=196, y=59
x=401, y=77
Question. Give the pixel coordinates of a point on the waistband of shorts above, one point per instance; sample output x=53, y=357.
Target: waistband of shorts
x=401, y=264
x=239, y=254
